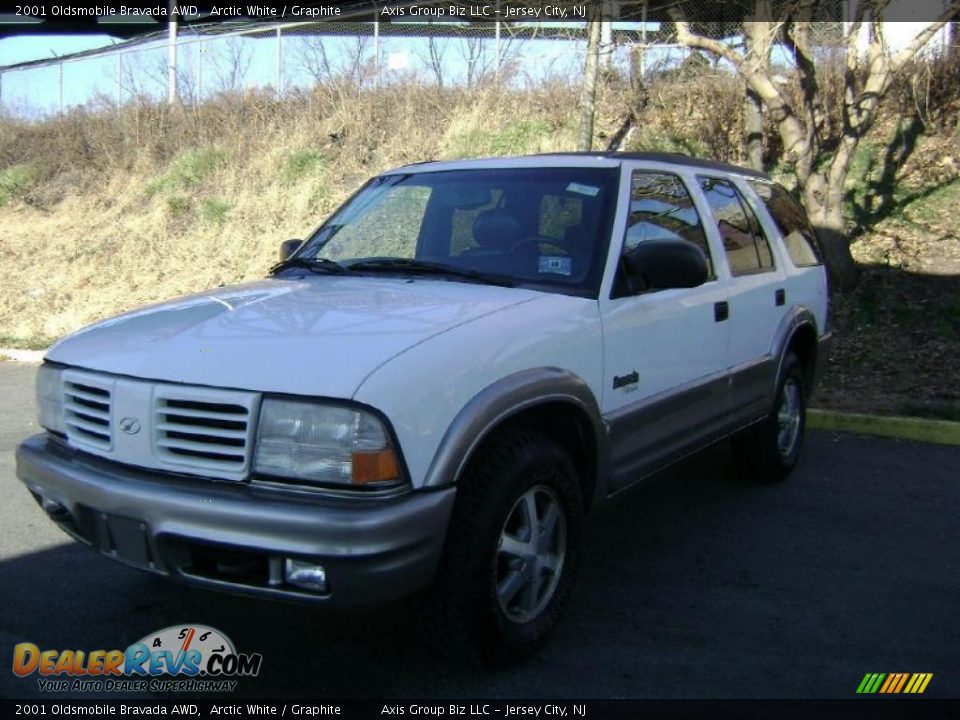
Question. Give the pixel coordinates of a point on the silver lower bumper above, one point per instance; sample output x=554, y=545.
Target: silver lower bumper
x=234, y=537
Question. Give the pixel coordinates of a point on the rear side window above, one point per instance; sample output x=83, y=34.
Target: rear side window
x=746, y=248
x=661, y=209
x=788, y=214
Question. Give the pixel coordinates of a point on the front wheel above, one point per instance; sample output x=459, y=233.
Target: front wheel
x=511, y=554
x=770, y=451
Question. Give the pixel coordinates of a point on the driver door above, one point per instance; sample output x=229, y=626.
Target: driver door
x=665, y=352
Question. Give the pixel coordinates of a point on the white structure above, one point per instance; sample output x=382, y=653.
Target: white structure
x=903, y=21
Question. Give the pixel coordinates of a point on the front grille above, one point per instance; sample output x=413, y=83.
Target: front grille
x=87, y=413
x=205, y=429
x=188, y=429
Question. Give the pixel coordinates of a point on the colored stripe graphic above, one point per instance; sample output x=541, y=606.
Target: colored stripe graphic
x=894, y=683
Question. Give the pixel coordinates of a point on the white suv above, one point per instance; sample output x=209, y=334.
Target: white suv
x=429, y=393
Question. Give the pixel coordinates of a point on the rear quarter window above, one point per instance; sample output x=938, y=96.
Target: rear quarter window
x=791, y=219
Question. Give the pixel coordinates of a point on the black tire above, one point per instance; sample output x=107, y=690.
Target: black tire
x=464, y=615
x=769, y=451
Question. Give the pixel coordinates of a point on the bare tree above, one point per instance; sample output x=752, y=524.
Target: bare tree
x=588, y=95
x=480, y=62
x=331, y=62
x=821, y=153
x=435, y=53
x=232, y=63
x=334, y=61
x=757, y=32
x=473, y=51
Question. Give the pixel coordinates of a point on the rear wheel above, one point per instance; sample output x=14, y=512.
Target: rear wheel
x=769, y=451
x=511, y=554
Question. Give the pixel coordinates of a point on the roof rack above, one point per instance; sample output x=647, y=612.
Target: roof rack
x=672, y=157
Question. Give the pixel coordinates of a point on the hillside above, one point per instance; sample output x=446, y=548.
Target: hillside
x=103, y=211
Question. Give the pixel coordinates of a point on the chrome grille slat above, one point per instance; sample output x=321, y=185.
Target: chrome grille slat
x=202, y=430
x=94, y=424
x=98, y=431
x=102, y=415
x=187, y=412
x=74, y=390
x=202, y=449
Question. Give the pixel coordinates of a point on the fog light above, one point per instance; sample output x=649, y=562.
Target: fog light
x=305, y=575
x=54, y=509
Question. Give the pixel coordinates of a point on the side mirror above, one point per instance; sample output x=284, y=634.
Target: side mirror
x=289, y=247
x=665, y=264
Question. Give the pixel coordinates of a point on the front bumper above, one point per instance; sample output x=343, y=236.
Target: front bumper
x=234, y=537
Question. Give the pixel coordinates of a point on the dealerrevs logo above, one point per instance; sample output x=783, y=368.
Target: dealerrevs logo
x=201, y=658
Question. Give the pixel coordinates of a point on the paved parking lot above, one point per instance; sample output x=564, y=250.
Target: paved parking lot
x=695, y=586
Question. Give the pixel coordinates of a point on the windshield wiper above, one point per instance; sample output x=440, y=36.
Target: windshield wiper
x=316, y=265
x=432, y=268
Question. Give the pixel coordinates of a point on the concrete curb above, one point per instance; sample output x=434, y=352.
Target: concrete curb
x=25, y=356
x=942, y=432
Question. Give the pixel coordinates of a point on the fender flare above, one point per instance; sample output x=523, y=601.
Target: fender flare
x=505, y=398
x=797, y=318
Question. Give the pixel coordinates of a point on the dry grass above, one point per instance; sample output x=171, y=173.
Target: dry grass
x=108, y=212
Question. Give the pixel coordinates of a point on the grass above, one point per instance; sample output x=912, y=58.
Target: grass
x=518, y=137
x=175, y=208
x=214, y=211
x=178, y=205
x=31, y=342
x=301, y=163
x=16, y=181
x=188, y=170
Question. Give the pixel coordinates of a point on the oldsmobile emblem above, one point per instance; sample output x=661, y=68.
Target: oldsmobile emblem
x=130, y=425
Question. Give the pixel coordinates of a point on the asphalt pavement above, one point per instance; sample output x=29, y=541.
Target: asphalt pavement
x=696, y=585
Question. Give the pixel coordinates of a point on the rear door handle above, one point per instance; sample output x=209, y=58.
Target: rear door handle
x=721, y=311
x=780, y=296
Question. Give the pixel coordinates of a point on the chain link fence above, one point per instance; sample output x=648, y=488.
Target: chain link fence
x=286, y=58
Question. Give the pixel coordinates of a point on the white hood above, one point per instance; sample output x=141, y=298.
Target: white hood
x=318, y=335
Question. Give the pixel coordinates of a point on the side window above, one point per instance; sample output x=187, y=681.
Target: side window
x=763, y=245
x=661, y=208
x=791, y=219
x=747, y=252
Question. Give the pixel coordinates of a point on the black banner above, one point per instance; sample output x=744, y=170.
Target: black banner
x=514, y=709
x=128, y=18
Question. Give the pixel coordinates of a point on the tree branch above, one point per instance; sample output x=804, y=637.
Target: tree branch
x=687, y=37
x=907, y=53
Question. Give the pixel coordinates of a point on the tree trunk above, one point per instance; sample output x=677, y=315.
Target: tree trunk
x=825, y=207
x=758, y=33
x=753, y=129
x=588, y=96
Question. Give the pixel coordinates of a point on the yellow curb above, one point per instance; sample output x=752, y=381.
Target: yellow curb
x=942, y=432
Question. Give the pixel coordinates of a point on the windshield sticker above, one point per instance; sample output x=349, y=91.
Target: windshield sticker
x=588, y=190
x=556, y=265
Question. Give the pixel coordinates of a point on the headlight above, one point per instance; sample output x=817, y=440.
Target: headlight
x=328, y=444
x=50, y=399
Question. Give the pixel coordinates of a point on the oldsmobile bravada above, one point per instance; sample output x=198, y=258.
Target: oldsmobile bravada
x=429, y=393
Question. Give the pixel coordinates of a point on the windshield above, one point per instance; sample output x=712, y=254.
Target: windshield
x=542, y=228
